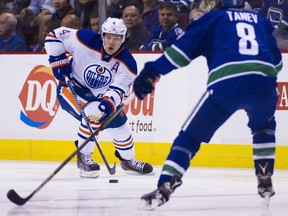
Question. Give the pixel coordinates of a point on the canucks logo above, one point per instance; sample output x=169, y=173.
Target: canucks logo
x=97, y=76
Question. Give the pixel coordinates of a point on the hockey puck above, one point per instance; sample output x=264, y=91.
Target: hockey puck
x=113, y=180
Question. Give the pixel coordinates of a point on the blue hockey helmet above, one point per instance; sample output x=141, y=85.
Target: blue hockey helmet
x=232, y=3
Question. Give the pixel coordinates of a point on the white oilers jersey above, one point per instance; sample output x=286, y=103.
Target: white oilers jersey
x=92, y=67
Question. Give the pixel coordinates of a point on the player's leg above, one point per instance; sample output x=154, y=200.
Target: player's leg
x=207, y=117
x=88, y=168
x=262, y=124
x=124, y=145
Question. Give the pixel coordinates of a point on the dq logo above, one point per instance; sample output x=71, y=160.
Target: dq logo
x=38, y=98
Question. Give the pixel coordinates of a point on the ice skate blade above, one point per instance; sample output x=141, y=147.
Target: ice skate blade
x=149, y=205
x=131, y=172
x=267, y=199
x=90, y=174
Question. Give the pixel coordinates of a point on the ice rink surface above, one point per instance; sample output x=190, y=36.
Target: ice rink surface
x=204, y=192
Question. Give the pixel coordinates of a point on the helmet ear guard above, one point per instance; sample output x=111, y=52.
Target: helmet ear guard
x=232, y=3
x=114, y=26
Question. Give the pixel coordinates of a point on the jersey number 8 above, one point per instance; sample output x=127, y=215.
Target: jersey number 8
x=247, y=43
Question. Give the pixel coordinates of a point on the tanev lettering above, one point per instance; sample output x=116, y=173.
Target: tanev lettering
x=37, y=95
x=242, y=16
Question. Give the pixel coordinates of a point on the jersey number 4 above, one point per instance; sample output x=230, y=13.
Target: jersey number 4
x=247, y=43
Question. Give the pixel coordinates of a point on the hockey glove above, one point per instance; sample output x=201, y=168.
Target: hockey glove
x=144, y=83
x=107, y=106
x=60, y=66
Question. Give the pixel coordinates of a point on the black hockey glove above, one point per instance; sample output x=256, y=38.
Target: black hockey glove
x=60, y=66
x=107, y=106
x=144, y=83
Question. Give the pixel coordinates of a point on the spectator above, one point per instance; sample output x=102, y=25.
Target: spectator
x=137, y=34
x=9, y=40
x=164, y=35
x=183, y=6
x=40, y=9
x=84, y=9
x=30, y=18
x=71, y=21
x=44, y=29
x=19, y=5
x=62, y=9
x=38, y=6
x=183, y=9
x=94, y=21
x=255, y=4
x=114, y=9
x=277, y=12
x=150, y=14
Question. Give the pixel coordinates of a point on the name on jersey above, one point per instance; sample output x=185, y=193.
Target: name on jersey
x=97, y=76
x=242, y=16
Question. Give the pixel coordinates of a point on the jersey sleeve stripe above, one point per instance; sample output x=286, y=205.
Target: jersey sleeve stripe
x=176, y=57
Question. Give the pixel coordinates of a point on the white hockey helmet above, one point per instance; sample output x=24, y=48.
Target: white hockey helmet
x=114, y=26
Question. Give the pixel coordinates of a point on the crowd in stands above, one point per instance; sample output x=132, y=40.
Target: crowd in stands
x=152, y=25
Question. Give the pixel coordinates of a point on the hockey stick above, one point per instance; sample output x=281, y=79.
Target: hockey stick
x=15, y=198
x=111, y=170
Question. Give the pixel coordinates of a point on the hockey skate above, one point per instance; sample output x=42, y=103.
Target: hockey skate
x=88, y=168
x=160, y=196
x=265, y=187
x=134, y=166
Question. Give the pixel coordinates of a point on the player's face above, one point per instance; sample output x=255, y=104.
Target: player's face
x=167, y=19
x=112, y=42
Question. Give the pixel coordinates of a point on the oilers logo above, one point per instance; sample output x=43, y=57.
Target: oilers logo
x=97, y=76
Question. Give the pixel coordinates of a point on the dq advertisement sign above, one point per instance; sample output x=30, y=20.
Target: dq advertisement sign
x=38, y=98
x=30, y=110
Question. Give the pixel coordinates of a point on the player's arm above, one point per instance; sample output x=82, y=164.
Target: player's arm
x=57, y=43
x=118, y=89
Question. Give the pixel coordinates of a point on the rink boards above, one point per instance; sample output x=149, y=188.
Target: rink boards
x=33, y=126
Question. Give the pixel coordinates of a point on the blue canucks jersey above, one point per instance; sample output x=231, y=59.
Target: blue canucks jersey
x=241, y=53
x=160, y=39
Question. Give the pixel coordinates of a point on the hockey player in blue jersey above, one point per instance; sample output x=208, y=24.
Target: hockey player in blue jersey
x=102, y=70
x=243, y=61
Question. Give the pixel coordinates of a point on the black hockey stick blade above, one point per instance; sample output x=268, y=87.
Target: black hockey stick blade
x=15, y=198
x=112, y=170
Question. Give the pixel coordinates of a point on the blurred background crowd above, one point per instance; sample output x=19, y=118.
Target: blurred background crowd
x=152, y=25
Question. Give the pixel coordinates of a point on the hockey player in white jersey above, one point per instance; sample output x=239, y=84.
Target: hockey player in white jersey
x=102, y=71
